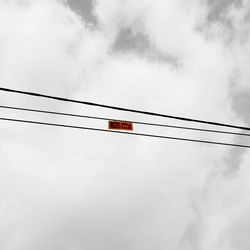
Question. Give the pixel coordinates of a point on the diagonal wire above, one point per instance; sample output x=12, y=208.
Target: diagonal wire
x=125, y=133
x=123, y=109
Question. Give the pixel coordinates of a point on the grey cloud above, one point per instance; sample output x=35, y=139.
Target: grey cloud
x=218, y=6
x=128, y=40
x=241, y=104
x=233, y=161
x=84, y=8
x=137, y=42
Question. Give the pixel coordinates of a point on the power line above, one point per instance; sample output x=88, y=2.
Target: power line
x=123, y=109
x=126, y=133
x=135, y=122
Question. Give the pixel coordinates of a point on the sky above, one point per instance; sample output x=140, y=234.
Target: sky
x=63, y=189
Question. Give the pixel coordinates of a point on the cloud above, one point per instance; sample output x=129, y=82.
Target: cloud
x=65, y=189
x=84, y=8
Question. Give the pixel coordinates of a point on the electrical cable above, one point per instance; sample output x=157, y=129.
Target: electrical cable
x=126, y=133
x=109, y=119
x=123, y=109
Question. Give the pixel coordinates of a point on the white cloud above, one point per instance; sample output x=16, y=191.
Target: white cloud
x=63, y=189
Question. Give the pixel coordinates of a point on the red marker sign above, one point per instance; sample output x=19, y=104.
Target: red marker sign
x=120, y=125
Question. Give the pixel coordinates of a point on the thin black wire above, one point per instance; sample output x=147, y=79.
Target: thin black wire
x=123, y=109
x=135, y=122
x=127, y=133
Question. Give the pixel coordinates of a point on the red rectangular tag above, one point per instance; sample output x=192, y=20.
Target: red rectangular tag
x=120, y=125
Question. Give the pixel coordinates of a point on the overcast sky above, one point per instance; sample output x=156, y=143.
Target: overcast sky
x=63, y=189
